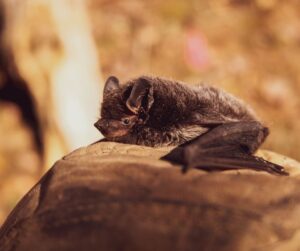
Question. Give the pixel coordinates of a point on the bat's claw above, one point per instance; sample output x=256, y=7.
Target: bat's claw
x=272, y=167
x=279, y=170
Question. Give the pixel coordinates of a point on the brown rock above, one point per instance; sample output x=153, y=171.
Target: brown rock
x=111, y=196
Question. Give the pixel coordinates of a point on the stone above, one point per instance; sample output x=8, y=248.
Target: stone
x=111, y=196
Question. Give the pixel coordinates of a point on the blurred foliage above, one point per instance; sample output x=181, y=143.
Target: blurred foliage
x=250, y=48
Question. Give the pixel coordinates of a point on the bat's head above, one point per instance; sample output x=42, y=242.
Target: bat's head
x=124, y=106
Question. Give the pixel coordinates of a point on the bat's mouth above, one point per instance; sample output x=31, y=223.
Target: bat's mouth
x=115, y=134
x=108, y=133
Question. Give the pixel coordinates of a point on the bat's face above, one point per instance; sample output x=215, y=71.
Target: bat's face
x=112, y=128
x=115, y=121
x=120, y=109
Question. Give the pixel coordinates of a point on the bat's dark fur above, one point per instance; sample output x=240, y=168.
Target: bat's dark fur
x=178, y=114
x=155, y=111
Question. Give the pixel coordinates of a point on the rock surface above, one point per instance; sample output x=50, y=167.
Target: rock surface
x=111, y=196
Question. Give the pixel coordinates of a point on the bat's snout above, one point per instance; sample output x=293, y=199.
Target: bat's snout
x=111, y=128
x=101, y=125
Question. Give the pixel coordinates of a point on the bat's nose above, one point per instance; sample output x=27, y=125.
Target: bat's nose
x=102, y=125
x=96, y=125
x=99, y=125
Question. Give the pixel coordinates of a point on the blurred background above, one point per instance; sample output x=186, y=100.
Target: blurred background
x=55, y=55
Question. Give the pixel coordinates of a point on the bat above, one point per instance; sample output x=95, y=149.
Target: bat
x=212, y=129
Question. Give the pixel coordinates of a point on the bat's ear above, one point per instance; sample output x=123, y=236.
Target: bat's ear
x=112, y=83
x=141, y=95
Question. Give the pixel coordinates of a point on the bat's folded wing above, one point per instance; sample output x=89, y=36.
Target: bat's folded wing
x=223, y=148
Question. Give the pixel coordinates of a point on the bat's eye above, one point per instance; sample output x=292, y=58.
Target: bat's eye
x=125, y=121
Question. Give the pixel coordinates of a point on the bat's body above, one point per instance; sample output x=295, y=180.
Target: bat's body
x=160, y=112
x=177, y=114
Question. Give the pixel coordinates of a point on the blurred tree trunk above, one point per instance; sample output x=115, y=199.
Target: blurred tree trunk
x=54, y=52
x=13, y=87
x=76, y=80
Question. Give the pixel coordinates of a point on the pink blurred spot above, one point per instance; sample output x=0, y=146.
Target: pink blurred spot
x=196, y=53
